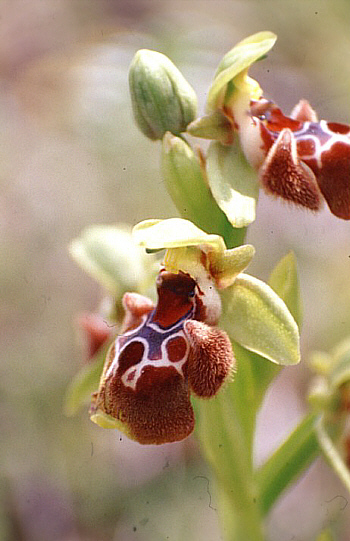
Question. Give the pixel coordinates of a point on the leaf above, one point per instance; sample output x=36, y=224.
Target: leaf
x=109, y=255
x=285, y=282
x=233, y=183
x=260, y=321
x=288, y=462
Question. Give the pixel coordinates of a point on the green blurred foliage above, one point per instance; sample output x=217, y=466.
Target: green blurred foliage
x=70, y=157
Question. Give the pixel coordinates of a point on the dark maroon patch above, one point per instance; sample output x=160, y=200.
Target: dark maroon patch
x=338, y=128
x=154, y=377
x=306, y=147
x=176, y=349
x=267, y=138
x=175, y=298
x=130, y=356
x=277, y=121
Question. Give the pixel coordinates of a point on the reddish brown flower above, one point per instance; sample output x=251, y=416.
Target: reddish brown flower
x=165, y=352
x=302, y=159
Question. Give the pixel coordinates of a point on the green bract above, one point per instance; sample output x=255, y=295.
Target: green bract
x=284, y=281
x=162, y=99
x=185, y=179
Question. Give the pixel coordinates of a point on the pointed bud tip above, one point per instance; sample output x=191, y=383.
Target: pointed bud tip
x=162, y=99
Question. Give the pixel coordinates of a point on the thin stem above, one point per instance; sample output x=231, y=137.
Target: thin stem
x=288, y=462
x=224, y=443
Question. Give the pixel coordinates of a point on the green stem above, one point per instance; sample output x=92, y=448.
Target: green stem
x=290, y=460
x=224, y=441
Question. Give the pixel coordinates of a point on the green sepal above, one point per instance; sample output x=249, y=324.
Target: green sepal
x=162, y=99
x=233, y=183
x=84, y=383
x=259, y=320
x=234, y=65
x=285, y=282
x=173, y=233
x=108, y=254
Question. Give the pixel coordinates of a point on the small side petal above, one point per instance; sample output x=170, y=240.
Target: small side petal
x=225, y=267
x=213, y=126
x=284, y=175
x=303, y=112
x=259, y=320
x=211, y=358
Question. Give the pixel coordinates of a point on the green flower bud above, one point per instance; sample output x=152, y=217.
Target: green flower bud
x=162, y=99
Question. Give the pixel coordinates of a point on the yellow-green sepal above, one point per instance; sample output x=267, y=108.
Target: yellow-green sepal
x=173, y=233
x=233, y=183
x=232, y=70
x=109, y=255
x=258, y=319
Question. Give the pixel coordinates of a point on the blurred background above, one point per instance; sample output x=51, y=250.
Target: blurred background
x=71, y=156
